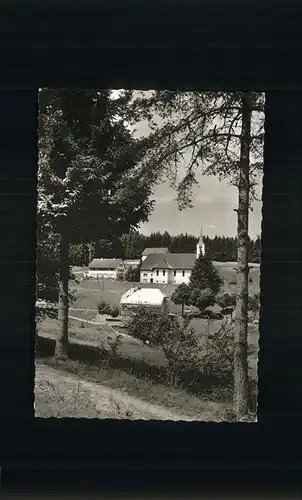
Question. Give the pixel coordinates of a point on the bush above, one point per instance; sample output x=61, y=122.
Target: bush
x=173, y=336
x=218, y=354
x=114, y=345
x=104, y=308
x=115, y=311
x=254, y=303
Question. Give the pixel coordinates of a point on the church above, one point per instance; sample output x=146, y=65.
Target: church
x=168, y=267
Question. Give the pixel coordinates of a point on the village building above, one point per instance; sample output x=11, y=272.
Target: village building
x=104, y=268
x=148, y=297
x=168, y=267
x=149, y=251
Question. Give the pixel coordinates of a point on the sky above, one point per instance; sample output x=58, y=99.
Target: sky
x=214, y=202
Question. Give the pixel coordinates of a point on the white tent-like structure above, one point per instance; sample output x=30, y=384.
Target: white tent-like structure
x=148, y=297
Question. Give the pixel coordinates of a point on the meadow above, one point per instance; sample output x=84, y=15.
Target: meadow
x=136, y=368
x=89, y=293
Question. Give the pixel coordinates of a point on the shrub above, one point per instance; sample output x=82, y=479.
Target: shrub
x=218, y=354
x=254, y=303
x=114, y=344
x=115, y=311
x=172, y=335
x=104, y=308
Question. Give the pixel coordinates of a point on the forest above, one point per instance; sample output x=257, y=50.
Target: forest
x=132, y=245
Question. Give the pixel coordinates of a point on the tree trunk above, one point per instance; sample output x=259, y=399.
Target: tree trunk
x=207, y=333
x=91, y=251
x=241, y=382
x=62, y=338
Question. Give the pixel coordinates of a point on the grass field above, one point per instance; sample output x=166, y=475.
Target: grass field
x=89, y=293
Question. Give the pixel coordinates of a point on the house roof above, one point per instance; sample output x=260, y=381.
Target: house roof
x=105, y=263
x=169, y=261
x=131, y=262
x=143, y=296
x=150, y=250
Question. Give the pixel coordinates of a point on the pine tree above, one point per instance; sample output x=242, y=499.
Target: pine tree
x=204, y=275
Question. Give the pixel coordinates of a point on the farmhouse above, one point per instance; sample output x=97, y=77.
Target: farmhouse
x=149, y=297
x=149, y=251
x=104, y=268
x=170, y=267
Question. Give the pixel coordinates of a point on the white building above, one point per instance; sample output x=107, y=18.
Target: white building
x=200, y=247
x=148, y=297
x=149, y=251
x=168, y=267
x=104, y=268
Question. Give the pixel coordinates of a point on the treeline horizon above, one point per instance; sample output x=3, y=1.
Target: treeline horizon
x=132, y=245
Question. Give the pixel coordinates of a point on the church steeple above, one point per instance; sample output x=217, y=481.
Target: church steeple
x=200, y=237
x=200, y=247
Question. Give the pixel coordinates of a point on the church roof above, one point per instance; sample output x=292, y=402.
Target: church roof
x=169, y=261
x=150, y=250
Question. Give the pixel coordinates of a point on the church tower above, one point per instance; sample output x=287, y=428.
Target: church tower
x=200, y=247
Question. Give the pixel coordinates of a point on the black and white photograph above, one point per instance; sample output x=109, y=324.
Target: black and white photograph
x=149, y=209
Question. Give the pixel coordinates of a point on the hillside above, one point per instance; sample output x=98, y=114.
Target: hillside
x=62, y=395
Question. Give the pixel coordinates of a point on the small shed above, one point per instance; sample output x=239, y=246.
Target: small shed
x=148, y=297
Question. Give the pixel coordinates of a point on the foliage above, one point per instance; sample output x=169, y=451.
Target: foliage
x=104, y=308
x=254, y=303
x=217, y=359
x=181, y=295
x=205, y=276
x=173, y=336
x=132, y=274
x=114, y=311
x=114, y=345
x=227, y=302
x=200, y=298
x=91, y=183
x=142, y=323
x=131, y=246
x=88, y=165
x=200, y=130
x=218, y=355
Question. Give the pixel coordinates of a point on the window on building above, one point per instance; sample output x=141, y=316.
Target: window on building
x=157, y=272
x=174, y=273
x=164, y=272
x=145, y=274
x=183, y=273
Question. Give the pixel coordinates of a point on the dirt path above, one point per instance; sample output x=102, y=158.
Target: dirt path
x=60, y=394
